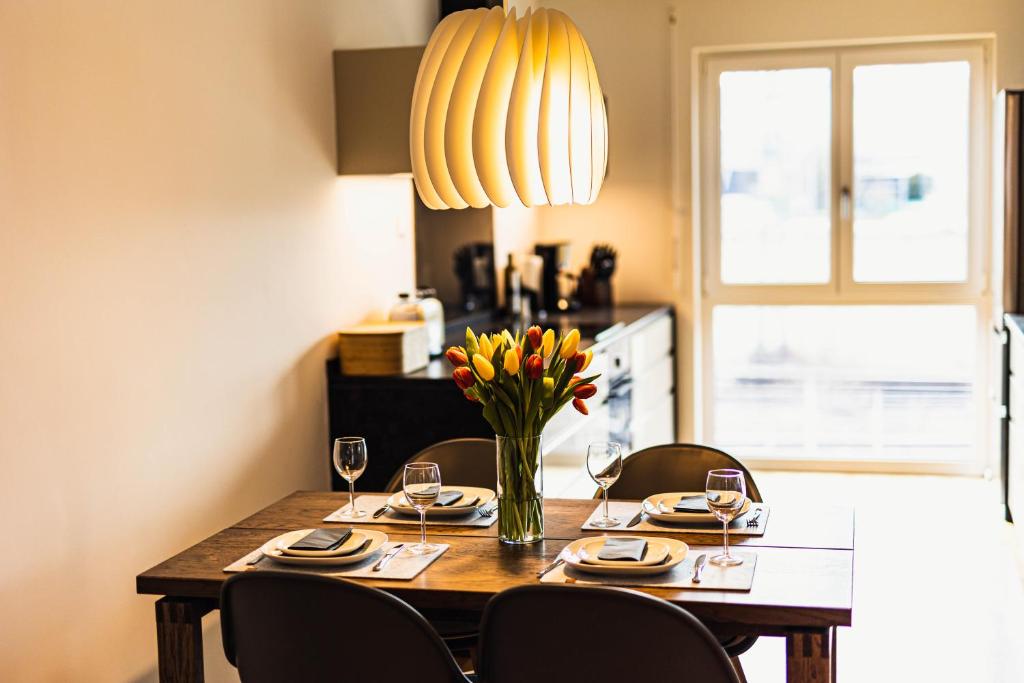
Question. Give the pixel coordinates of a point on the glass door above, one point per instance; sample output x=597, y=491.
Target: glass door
x=843, y=212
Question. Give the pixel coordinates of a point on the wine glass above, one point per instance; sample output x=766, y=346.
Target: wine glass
x=726, y=492
x=350, y=461
x=604, y=463
x=421, y=482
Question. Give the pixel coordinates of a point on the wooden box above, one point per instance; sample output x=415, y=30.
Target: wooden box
x=391, y=348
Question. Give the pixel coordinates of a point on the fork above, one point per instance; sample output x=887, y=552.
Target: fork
x=752, y=522
x=487, y=511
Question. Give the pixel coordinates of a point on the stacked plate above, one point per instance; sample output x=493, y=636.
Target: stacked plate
x=472, y=499
x=660, y=507
x=361, y=544
x=661, y=556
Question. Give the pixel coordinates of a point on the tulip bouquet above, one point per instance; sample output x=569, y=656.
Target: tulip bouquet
x=521, y=382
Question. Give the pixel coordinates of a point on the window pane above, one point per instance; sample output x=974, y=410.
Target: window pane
x=776, y=129
x=910, y=147
x=845, y=382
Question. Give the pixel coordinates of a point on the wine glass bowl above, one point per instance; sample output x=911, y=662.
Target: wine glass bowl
x=350, y=463
x=421, y=484
x=604, y=464
x=726, y=492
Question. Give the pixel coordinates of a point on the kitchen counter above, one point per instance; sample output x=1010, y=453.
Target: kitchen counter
x=401, y=414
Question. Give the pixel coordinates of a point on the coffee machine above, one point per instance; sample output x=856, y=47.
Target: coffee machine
x=556, y=283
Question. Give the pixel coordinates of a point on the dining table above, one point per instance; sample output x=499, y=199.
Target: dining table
x=802, y=589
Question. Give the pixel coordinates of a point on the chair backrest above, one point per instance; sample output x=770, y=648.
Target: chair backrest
x=554, y=633
x=286, y=626
x=674, y=467
x=463, y=462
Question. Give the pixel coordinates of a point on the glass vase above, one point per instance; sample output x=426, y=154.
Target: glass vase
x=520, y=489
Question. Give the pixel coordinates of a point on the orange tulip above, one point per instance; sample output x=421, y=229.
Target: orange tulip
x=470, y=397
x=534, y=366
x=578, y=361
x=456, y=356
x=519, y=353
x=463, y=377
x=576, y=379
x=579, y=405
x=535, y=336
x=584, y=391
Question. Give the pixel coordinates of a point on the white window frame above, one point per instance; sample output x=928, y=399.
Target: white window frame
x=841, y=289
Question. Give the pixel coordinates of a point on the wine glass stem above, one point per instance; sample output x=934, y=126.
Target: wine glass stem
x=352, y=498
x=725, y=529
x=423, y=526
x=606, y=504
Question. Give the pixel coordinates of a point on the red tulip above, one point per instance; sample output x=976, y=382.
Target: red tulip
x=534, y=366
x=470, y=397
x=584, y=391
x=519, y=352
x=579, y=361
x=579, y=405
x=464, y=377
x=456, y=356
x=535, y=336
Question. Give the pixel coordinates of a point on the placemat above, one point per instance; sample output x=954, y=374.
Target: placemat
x=625, y=511
x=739, y=578
x=371, y=503
x=401, y=567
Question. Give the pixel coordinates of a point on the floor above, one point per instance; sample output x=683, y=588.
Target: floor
x=938, y=596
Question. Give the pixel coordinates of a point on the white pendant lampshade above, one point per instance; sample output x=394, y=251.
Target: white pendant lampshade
x=507, y=111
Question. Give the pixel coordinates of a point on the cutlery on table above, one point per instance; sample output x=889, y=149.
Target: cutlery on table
x=698, y=568
x=559, y=561
x=639, y=517
x=388, y=556
x=487, y=511
x=255, y=561
x=753, y=521
x=381, y=510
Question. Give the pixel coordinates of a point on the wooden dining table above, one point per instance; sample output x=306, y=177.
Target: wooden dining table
x=802, y=589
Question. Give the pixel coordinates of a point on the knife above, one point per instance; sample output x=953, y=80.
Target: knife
x=636, y=520
x=382, y=510
x=388, y=556
x=698, y=567
x=559, y=561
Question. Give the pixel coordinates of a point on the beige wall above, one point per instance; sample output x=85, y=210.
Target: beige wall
x=632, y=45
x=175, y=252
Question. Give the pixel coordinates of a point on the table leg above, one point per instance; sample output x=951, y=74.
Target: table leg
x=179, y=638
x=809, y=657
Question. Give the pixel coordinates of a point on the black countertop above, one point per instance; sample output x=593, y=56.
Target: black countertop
x=597, y=326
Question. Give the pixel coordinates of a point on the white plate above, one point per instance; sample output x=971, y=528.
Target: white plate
x=650, y=506
x=401, y=506
x=677, y=551
x=354, y=540
x=272, y=548
x=656, y=552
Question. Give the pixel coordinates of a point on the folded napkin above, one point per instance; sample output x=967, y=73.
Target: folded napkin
x=694, y=504
x=322, y=539
x=632, y=549
x=449, y=498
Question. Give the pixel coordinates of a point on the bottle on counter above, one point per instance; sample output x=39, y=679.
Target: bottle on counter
x=424, y=306
x=513, y=289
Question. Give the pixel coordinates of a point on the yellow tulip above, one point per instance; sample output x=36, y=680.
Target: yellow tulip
x=549, y=342
x=569, y=344
x=511, y=362
x=589, y=356
x=549, y=387
x=486, y=347
x=506, y=338
x=483, y=366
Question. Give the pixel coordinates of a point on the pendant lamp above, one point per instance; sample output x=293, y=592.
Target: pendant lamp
x=507, y=111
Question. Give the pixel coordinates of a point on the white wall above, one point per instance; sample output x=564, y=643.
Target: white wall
x=176, y=251
x=632, y=46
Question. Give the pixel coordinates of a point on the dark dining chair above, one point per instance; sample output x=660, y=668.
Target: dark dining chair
x=674, y=467
x=602, y=634
x=286, y=626
x=465, y=462
x=682, y=467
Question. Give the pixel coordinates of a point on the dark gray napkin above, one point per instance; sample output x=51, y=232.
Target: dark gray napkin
x=695, y=504
x=449, y=498
x=623, y=549
x=322, y=539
